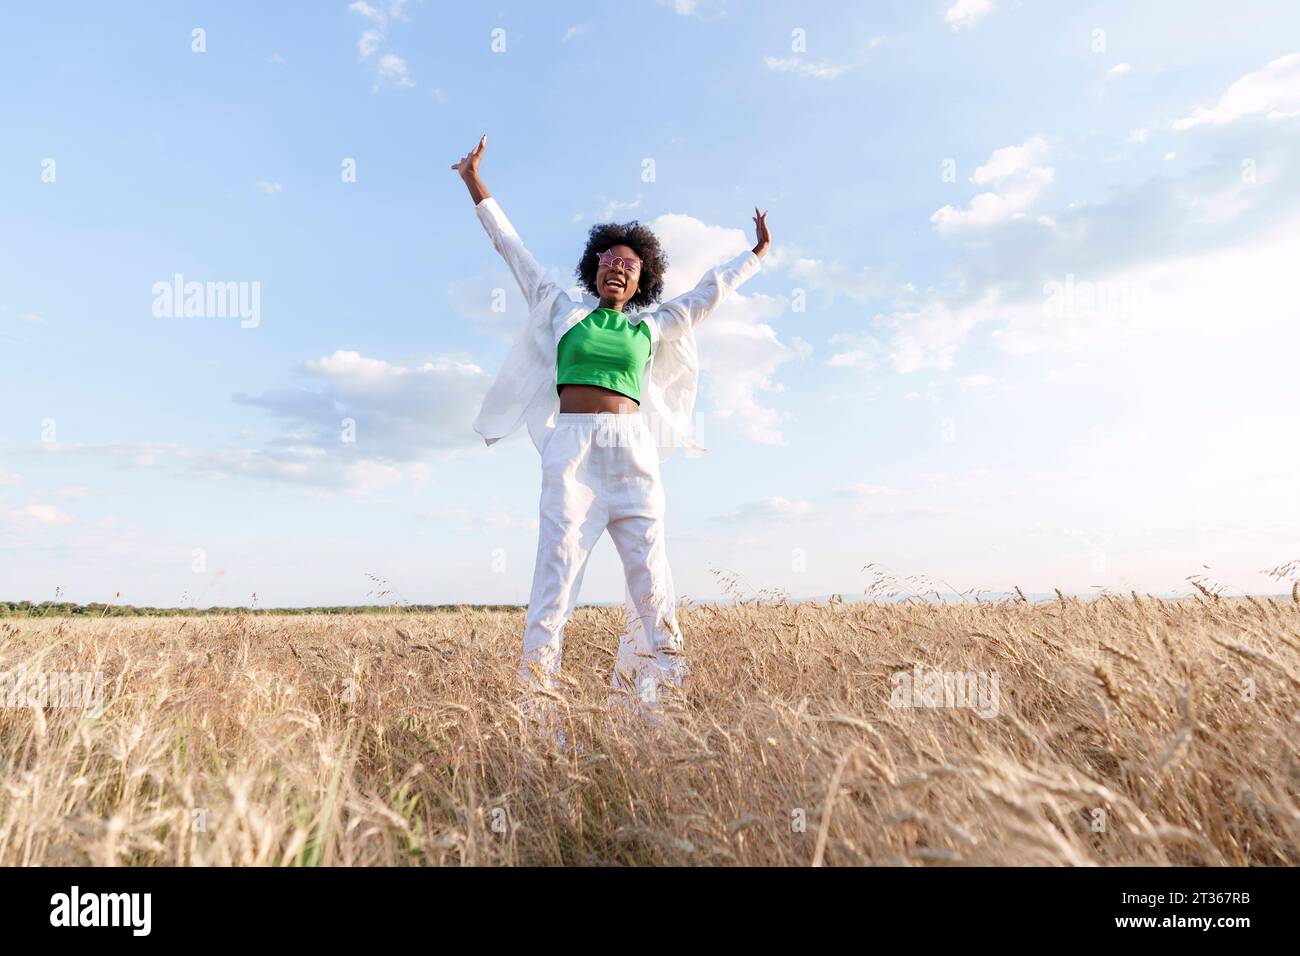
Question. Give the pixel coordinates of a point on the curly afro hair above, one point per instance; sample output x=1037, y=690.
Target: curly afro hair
x=639, y=238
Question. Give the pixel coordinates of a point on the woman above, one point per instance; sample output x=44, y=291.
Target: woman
x=605, y=392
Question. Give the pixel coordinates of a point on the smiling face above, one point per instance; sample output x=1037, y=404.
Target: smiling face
x=615, y=284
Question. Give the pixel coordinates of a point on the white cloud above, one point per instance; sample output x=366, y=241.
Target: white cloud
x=367, y=11
x=368, y=43
x=389, y=67
x=479, y=521
x=1020, y=178
x=8, y=478
x=862, y=284
x=968, y=382
x=1011, y=161
x=44, y=514
x=740, y=356
x=615, y=206
x=925, y=333
x=1139, y=135
x=268, y=187
x=435, y=401
x=367, y=476
x=573, y=31
x=697, y=8
x=1170, y=297
x=965, y=14
x=1272, y=92
x=1223, y=204
x=740, y=351
x=33, y=319
x=866, y=491
x=855, y=350
x=358, y=422
x=1096, y=280
x=320, y=469
x=1118, y=70
x=774, y=508
x=125, y=454
x=393, y=67
x=818, y=69
x=923, y=337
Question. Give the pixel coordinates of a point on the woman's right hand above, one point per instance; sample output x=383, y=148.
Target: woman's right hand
x=468, y=165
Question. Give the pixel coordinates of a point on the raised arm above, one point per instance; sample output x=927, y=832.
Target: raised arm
x=691, y=308
x=530, y=276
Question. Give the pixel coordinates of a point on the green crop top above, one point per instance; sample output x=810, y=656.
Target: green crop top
x=604, y=349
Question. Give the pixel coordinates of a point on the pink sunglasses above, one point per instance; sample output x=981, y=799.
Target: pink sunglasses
x=629, y=265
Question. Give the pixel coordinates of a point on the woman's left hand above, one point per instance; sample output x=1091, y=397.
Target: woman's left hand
x=764, y=237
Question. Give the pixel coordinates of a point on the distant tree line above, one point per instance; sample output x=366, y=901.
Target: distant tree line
x=69, y=609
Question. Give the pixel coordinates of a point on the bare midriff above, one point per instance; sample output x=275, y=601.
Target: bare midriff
x=592, y=399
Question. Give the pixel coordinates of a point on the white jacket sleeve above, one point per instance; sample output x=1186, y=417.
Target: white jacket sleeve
x=530, y=276
x=689, y=309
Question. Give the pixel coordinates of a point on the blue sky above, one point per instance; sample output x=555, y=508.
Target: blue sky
x=1029, y=316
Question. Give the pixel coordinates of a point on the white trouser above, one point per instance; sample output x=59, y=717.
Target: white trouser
x=602, y=471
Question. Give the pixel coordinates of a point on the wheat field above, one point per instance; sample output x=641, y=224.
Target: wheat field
x=1128, y=731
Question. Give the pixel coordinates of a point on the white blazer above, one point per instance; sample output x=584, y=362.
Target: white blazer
x=524, y=391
